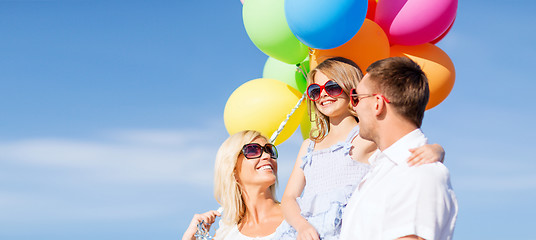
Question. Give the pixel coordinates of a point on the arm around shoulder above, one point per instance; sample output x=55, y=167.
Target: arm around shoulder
x=428, y=153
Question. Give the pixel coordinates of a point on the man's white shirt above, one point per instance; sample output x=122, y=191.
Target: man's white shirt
x=394, y=200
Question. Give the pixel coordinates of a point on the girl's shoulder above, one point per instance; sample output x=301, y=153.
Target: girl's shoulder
x=307, y=145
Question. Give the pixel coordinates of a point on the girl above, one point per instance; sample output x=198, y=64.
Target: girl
x=334, y=160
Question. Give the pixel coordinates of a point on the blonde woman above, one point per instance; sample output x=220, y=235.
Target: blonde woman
x=244, y=185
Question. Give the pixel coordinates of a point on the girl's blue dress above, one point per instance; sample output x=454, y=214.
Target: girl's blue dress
x=331, y=177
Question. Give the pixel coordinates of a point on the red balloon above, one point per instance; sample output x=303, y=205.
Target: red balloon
x=371, y=11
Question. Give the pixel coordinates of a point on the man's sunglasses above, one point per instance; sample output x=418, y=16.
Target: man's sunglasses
x=354, y=97
x=254, y=150
x=331, y=87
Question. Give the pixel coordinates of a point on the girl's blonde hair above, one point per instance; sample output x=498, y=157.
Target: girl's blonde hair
x=227, y=190
x=341, y=70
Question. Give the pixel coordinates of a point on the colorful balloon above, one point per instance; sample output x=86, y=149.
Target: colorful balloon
x=262, y=104
x=371, y=11
x=370, y=44
x=414, y=22
x=267, y=28
x=305, y=126
x=444, y=34
x=287, y=73
x=325, y=24
x=437, y=66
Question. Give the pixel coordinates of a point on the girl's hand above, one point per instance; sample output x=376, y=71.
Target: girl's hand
x=428, y=153
x=209, y=218
x=307, y=232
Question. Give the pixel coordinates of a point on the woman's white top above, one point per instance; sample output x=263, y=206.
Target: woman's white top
x=231, y=232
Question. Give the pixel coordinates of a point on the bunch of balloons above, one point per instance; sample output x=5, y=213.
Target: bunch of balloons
x=305, y=32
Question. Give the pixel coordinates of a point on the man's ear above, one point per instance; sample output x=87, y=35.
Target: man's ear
x=380, y=105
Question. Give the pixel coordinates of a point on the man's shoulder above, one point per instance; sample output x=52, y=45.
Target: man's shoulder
x=434, y=172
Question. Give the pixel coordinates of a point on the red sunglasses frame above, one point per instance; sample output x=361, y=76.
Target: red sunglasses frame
x=354, y=94
x=323, y=88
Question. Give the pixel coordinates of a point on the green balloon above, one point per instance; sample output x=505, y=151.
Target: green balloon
x=286, y=73
x=267, y=27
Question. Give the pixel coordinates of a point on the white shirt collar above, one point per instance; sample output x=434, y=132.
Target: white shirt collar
x=398, y=152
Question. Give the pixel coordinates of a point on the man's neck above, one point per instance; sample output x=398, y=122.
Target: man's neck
x=390, y=132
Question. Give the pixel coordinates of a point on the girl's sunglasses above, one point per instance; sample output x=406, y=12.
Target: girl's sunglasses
x=254, y=150
x=331, y=87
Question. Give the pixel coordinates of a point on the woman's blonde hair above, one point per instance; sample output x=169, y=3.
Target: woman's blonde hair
x=227, y=190
x=341, y=70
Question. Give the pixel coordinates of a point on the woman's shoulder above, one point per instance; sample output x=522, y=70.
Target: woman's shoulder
x=224, y=230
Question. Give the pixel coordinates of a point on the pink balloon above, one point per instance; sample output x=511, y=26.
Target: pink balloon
x=242, y=1
x=444, y=34
x=414, y=22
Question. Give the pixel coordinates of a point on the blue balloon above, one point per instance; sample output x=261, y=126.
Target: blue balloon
x=325, y=24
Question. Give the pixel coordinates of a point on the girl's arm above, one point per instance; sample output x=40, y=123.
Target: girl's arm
x=291, y=209
x=208, y=217
x=428, y=153
x=362, y=149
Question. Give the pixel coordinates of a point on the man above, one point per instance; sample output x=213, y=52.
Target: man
x=395, y=201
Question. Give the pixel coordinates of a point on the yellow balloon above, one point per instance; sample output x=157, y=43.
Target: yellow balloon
x=262, y=105
x=305, y=126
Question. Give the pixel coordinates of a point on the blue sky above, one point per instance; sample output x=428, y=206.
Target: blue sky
x=111, y=113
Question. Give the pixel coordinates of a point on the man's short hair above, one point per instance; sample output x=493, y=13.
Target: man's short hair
x=403, y=82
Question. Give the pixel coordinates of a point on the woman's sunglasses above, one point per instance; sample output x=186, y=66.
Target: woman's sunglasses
x=254, y=150
x=331, y=87
x=354, y=97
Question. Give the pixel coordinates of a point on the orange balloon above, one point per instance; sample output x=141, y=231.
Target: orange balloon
x=370, y=44
x=437, y=66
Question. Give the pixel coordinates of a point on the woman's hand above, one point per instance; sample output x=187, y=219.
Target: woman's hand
x=307, y=232
x=209, y=218
x=428, y=153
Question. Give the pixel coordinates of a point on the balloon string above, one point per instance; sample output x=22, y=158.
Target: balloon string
x=282, y=125
x=302, y=70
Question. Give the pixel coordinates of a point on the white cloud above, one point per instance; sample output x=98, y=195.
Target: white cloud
x=159, y=137
x=497, y=183
x=135, y=156
x=41, y=207
x=122, y=175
